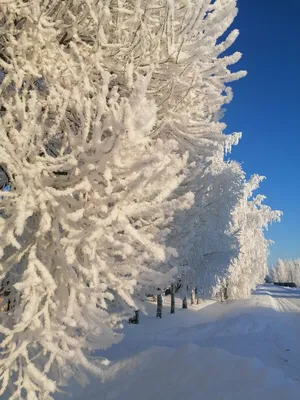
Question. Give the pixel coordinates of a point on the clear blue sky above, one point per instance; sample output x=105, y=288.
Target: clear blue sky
x=266, y=108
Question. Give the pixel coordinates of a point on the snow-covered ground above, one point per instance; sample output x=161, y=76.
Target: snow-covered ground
x=240, y=350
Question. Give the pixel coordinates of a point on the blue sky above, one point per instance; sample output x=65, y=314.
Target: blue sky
x=266, y=108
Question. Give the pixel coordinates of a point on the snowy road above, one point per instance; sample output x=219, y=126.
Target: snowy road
x=243, y=350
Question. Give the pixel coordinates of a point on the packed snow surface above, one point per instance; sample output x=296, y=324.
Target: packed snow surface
x=240, y=350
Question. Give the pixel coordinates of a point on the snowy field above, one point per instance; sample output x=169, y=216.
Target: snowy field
x=242, y=350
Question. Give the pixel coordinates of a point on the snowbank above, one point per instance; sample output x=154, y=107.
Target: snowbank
x=242, y=350
x=190, y=372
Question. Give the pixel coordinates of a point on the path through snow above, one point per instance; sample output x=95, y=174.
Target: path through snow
x=247, y=349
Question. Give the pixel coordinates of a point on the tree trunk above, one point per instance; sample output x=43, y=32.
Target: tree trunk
x=136, y=318
x=185, y=292
x=193, y=297
x=172, y=298
x=197, y=295
x=221, y=295
x=225, y=293
x=159, y=306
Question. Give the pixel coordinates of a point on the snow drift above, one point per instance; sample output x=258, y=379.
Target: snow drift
x=189, y=372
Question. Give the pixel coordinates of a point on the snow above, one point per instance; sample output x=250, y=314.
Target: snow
x=245, y=349
x=188, y=371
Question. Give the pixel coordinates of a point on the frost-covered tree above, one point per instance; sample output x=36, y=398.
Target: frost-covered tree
x=199, y=78
x=87, y=216
x=206, y=242
x=212, y=234
x=294, y=275
x=282, y=271
x=273, y=274
x=250, y=219
x=222, y=242
x=286, y=271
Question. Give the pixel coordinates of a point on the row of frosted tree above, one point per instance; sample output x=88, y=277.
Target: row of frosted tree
x=285, y=271
x=113, y=147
